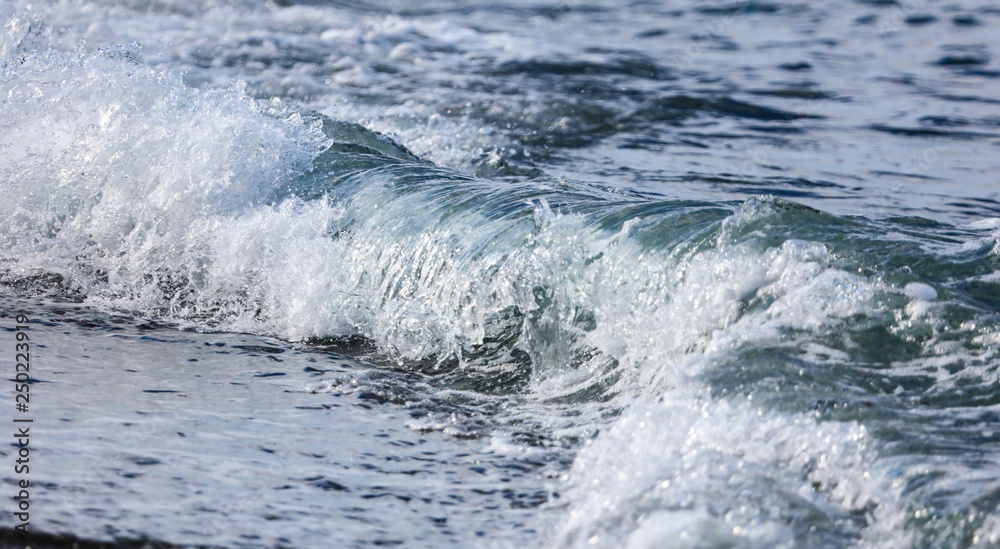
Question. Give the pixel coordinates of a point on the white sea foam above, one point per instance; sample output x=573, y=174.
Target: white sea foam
x=113, y=170
x=698, y=472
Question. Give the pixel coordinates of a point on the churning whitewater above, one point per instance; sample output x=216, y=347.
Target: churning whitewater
x=639, y=369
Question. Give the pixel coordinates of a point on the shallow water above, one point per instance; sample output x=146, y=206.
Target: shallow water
x=546, y=274
x=231, y=440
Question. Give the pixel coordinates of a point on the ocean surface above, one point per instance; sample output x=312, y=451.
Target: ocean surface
x=588, y=273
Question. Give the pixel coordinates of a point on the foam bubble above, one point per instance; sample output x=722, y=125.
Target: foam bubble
x=709, y=473
x=920, y=291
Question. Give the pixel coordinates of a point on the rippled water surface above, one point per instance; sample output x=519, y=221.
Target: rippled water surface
x=547, y=274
